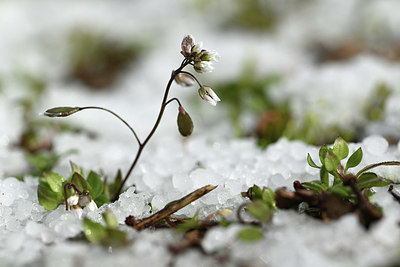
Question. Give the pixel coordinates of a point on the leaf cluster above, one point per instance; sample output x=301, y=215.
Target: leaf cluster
x=330, y=159
x=52, y=187
x=262, y=203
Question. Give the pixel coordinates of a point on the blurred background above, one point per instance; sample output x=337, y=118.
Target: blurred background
x=302, y=69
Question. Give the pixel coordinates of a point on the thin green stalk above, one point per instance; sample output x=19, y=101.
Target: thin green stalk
x=116, y=115
x=164, y=102
x=369, y=167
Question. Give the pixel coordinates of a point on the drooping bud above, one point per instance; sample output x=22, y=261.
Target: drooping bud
x=185, y=123
x=187, y=44
x=61, y=111
x=84, y=199
x=208, y=94
x=184, y=79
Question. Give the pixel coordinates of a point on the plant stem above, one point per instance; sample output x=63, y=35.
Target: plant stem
x=116, y=115
x=194, y=77
x=184, y=63
x=174, y=99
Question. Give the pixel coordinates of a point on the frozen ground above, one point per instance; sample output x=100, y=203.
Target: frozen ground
x=33, y=41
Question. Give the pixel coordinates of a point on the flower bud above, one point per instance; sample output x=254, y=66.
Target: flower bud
x=185, y=123
x=210, y=56
x=187, y=44
x=207, y=94
x=61, y=111
x=184, y=79
x=203, y=66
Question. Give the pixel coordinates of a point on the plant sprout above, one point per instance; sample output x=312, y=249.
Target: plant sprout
x=201, y=61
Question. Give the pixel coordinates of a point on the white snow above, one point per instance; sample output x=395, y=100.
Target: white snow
x=34, y=40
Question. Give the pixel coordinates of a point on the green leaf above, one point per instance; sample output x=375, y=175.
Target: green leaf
x=337, y=180
x=259, y=210
x=188, y=224
x=268, y=196
x=101, y=200
x=311, y=162
x=55, y=181
x=117, y=183
x=94, y=232
x=61, y=111
x=76, y=168
x=354, y=159
x=114, y=238
x=315, y=186
x=110, y=219
x=256, y=192
x=341, y=190
x=324, y=176
x=331, y=161
x=250, y=234
x=185, y=123
x=96, y=184
x=80, y=182
x=322, y=153
x=370, y=179
x=47, y=198
x=340, y=148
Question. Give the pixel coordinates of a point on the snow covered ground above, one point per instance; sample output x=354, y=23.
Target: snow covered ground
x=34, y=40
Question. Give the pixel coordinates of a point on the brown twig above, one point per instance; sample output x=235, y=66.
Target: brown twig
x=368, y=212
x=170, y=209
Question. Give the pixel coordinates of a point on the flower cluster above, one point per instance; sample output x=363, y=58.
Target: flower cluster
x=78, y=201
x=201, y=60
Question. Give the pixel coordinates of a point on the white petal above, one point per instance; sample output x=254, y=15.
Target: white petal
x=213, y=94
x=73, y=200
x=77, y=211
x=210, y=100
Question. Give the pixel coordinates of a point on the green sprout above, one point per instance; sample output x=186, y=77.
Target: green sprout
x=330, y=159
x=107, y=235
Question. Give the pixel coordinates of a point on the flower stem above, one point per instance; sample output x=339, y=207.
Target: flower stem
x=174, y=99
x=194, y=77
x=369, y=167
x=164, y=102
x=116, y=115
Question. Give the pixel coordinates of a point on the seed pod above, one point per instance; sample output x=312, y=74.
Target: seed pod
x=185, y=123
x=61, y=111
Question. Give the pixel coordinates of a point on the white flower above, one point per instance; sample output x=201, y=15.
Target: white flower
x=203, y=66
x=187, y=44
x=210, y=56
x=73, y=200
x=77, y=211
x=207, y=94
x=92, y=206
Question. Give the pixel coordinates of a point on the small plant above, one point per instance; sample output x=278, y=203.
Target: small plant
x=330, y=159
x=54, y=190
x=345, y=193
x=50, y=189
x=336, y=193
